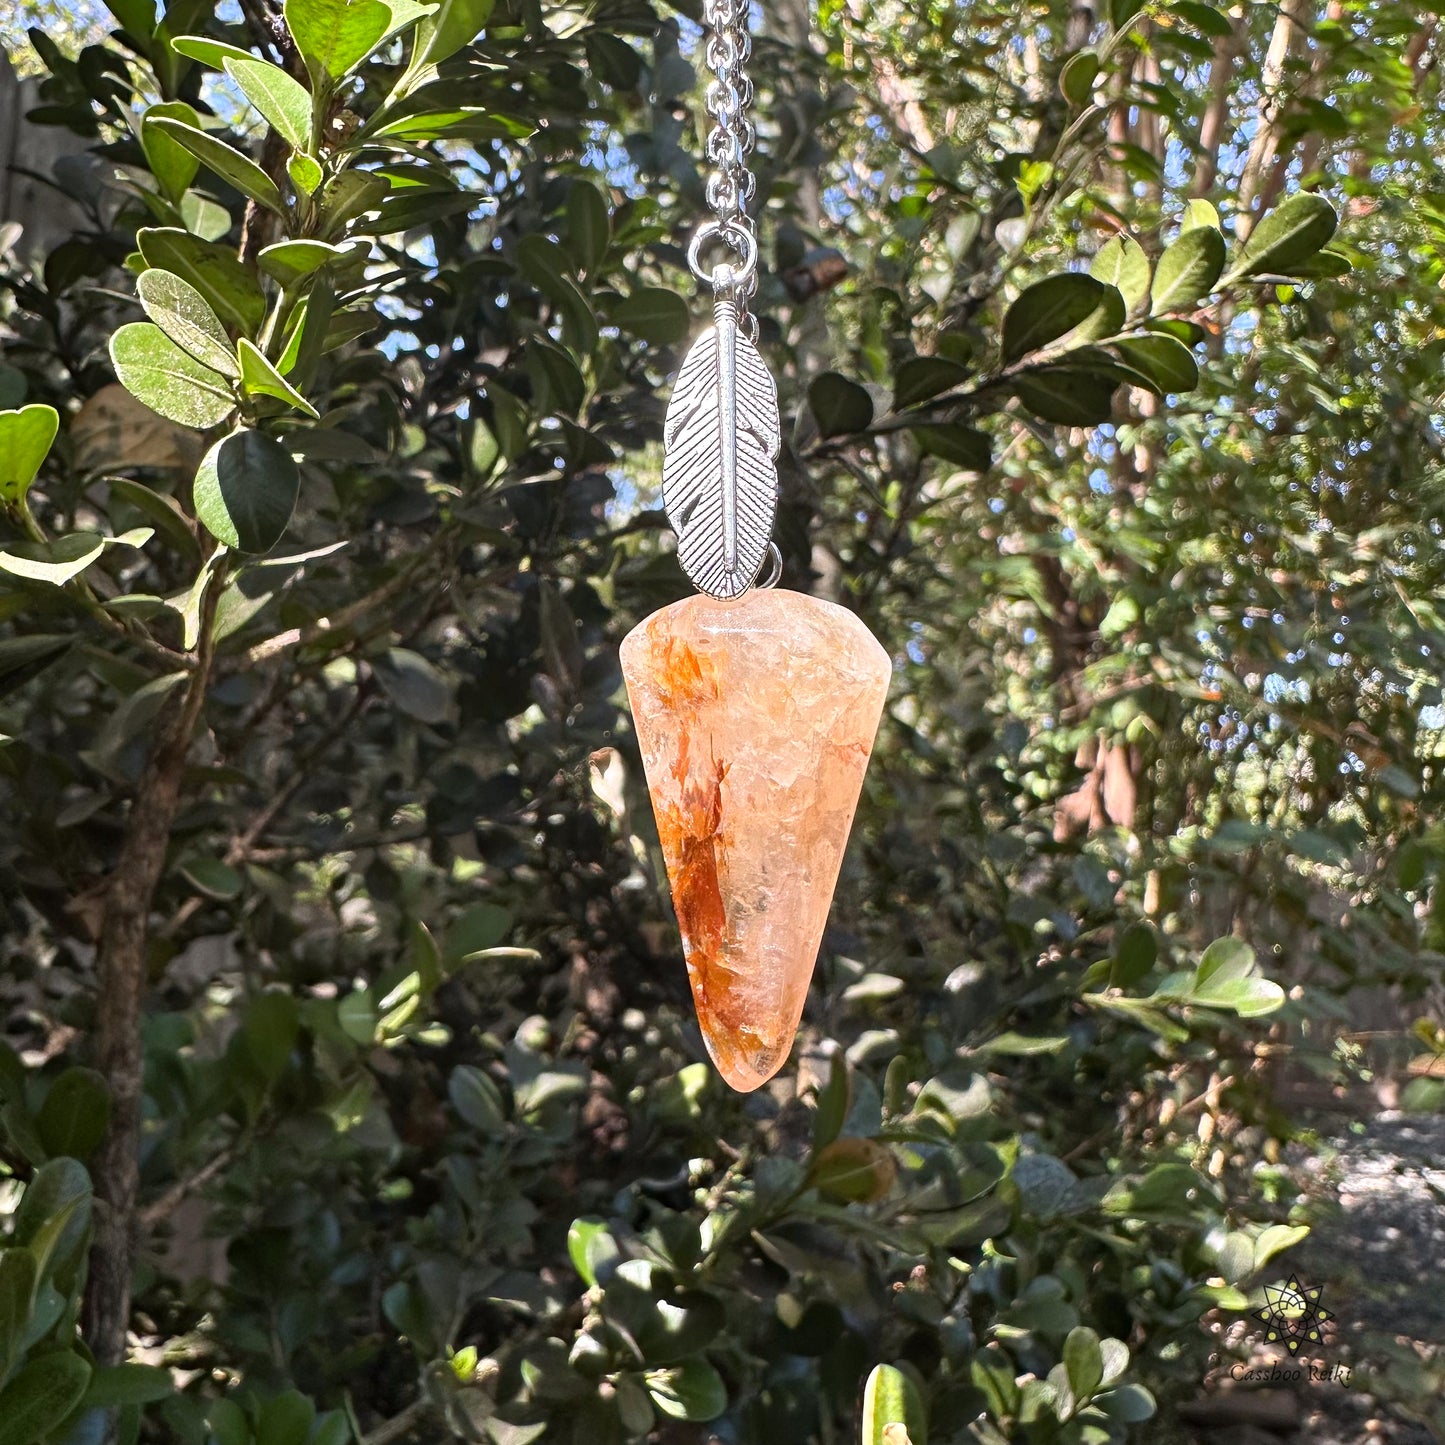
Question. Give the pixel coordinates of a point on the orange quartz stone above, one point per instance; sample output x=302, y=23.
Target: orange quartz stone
x=755, y=719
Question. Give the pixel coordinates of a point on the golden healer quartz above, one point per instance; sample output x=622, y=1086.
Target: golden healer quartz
x=755, y=719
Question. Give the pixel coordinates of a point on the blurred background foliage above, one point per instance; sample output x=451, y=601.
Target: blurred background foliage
x=351, y=1090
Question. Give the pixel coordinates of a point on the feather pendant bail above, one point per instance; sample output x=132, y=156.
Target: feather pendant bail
x=722, y=436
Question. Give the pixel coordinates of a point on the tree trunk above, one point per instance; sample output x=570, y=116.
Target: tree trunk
x=121, y=979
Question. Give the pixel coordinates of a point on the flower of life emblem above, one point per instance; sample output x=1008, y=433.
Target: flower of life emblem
x=1293, y=1314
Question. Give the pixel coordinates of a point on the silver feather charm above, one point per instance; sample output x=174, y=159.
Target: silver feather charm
x=719, y=480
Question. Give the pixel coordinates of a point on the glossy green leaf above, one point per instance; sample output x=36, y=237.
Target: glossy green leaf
x=112, y=1386
x=1299, y=227
x=225, y=160
x=210, y=52
x=334, y=36
x=1188, y=270
x=55, y=562
x=306, y=174
x=168, y=380
x=40, y=1395
x=653, y=314
x=1076, y=80
x=589, y=225
x=26, y=437
x=228, y=287
x=285, y=102
x=75, y=1114
x=691, y=1391
x=891, y=1399
x=839, y=405
x=922, y=377
x=246, y=490
x=173, y=166
x=290, y=261
x=1122, y=263
x=455, y=24
x=260, y=378
x=1084, y=1361
x=1048, y=310
x=186, y=317
x=1068, y=395
x=1169, y=364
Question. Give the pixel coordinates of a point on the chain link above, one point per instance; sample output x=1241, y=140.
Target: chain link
x=731, y=186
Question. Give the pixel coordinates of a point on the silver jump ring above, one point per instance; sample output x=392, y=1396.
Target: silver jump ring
x=774, y=566
x=732, y=235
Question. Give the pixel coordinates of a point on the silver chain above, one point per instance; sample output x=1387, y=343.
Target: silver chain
x=731, y=186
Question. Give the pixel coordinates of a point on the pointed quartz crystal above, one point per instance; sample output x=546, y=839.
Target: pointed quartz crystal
x=755, y=719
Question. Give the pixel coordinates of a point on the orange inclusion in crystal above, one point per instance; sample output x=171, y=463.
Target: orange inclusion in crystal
x=755, y=721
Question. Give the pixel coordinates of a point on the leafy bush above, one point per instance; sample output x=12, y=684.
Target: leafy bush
x=335, y=935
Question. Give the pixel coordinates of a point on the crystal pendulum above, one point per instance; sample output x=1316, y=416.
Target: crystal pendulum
x=755, y=709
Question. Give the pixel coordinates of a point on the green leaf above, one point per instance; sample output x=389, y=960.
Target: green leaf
x=653, y=314
x=1067, y=395
x=839, y=406
x=19, y=1275
x=285, y=1419
x=1204, y=18
x=692, y=1390
x=1122, y=263
x=227, y=162
x=334, y=36
x=1224, y=961
x=1276, y=1239
x=212, y=877
x=1188, y=270
x=270, y=1028
x=421, y=690
x=833, y=1101
x=1076, y=80
x=1291, y=233
x=260, y=378
x=168, y=380
x=210, y=52
x=184, y=315
x=173, y=166
x=54, y=562
x=1015, y=1045
x=22, y=658
x=587, y=1241
x=1130, y=1404
x=890, y=1398
x=1048, y=310
x=477, y=1099
x=160, y=510
x=860, y=1171
x=589, y=225
x=40, y=1396
x=1199, y=213
x=964, y=446
x=285, y=102
x=246, y=489
x=922, y=377
x=53, y=1219
x=26, y=437
x=1166, y=362
x=130, y=1384
x=290, y=261
x=228, y=1423
x=1084, y=1362
x=75, y=1115
x=306, y=174
x=456, y=23
x=229, y=288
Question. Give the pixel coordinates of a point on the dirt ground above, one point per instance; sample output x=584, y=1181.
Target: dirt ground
x=1378, y=1250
